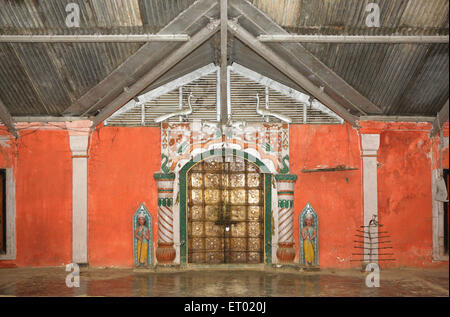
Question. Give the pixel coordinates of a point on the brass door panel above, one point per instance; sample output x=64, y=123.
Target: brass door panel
x=225, y=212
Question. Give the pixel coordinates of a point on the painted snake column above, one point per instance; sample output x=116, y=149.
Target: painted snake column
x=165, y=252
x=286, y=250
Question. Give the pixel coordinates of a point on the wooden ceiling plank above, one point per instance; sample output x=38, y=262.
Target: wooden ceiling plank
x=156, y=72
x=289, y=71
x=142, y=60
x=313, y=64
x=441, y=119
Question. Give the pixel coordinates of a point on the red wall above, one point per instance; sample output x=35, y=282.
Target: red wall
x=405, y=192
x=404, y=188
x=121, y=166
x=43, y=174
x=335, y=196
x=404, y=198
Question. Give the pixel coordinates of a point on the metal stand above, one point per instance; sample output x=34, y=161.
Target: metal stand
x=370, y=247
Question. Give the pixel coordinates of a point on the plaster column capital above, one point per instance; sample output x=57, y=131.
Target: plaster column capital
x=370, y=143
x=79, y=136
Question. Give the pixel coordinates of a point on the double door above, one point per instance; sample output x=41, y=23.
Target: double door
x=225, y=212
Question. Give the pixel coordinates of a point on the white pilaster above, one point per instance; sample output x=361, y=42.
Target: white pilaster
x=79, y=140
x=369, y=146
x=438, y=203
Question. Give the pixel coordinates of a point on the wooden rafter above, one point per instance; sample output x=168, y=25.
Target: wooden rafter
x=158, y=70
x=199, y=58
x=7, y=120
x=304, y=61
x=134, y=67
x=289, y=71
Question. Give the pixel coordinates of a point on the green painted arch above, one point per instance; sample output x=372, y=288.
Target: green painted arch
x=267, y=198
x=225, y=152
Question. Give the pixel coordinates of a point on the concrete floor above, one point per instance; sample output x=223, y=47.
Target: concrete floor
x=201, y=282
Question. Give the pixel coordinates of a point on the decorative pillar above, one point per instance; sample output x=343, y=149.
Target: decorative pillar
x=369, y=146
x=79, y=139
x=286, y=249
x=165, y=252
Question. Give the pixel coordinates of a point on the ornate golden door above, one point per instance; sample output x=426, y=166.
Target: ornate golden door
x=225, y=211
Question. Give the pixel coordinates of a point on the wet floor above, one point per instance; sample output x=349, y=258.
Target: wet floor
x=222, y=283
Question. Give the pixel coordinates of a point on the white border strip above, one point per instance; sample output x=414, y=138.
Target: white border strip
x=10, y=216
x=285, y=90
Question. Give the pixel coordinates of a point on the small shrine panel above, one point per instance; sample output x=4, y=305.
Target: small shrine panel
x=309, y=237
x=142, y=237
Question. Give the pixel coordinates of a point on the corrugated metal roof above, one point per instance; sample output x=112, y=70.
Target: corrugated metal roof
x=403, y=79
x=46, y=78
x=392, y=76
x=105, y=16
x=408, y=17
x=51, y=76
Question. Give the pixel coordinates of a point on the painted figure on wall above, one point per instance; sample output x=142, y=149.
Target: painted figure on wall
x=142, y=234
x=309, y=236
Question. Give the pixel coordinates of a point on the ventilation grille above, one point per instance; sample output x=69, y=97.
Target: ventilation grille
x=203, y=103
x=243, y=104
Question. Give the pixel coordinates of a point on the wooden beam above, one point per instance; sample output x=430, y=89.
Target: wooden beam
x=397, y=118
x=162, y=67
x=7, y=120
x=223, y=60
x=346, y=39
x=247, y=57
x=441, y=119
x=199, y=58
x=289, y=71
x=305, y=61
x=47, y=119
x=143, y=60
x=94, y=38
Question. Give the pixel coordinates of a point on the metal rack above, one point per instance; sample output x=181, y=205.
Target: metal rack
x=369, y=239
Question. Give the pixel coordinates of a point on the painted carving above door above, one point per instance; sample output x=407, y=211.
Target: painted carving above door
x=268, y=142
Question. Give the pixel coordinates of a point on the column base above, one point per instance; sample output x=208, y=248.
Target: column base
x=165, y=252
x=286, y=252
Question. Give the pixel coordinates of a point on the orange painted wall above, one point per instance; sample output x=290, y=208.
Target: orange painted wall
x=404, y=178
x=335, y=196
x=43, y=174
x=404, y=188
x=121, y=166
x=405, y=193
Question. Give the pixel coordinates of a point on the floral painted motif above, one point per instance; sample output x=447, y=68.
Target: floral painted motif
x=269, y=142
